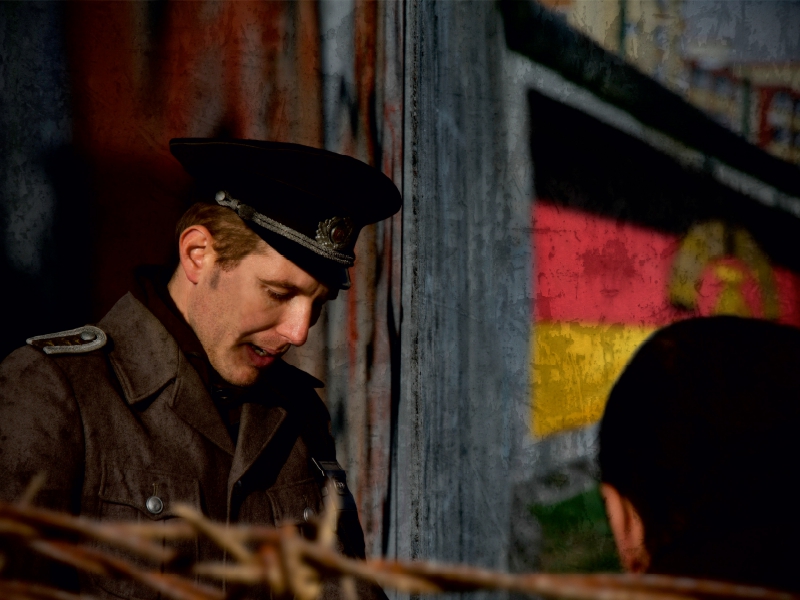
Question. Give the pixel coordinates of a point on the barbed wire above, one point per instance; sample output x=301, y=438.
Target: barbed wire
x=290, y=564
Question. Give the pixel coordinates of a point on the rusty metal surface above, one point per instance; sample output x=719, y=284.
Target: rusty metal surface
x=142, y=73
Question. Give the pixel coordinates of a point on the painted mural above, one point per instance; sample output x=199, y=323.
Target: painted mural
x=604, y=285
x=626, y=240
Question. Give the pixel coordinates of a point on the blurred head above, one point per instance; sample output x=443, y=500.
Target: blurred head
x=247, y=303
x=698, y=453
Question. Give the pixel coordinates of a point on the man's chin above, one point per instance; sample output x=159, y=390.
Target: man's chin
x=242, y=379
x=240, y=375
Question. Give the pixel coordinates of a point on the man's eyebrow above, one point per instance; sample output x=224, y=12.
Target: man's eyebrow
x=332, y=294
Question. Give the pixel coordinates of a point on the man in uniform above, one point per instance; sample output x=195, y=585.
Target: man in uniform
x=179, y=394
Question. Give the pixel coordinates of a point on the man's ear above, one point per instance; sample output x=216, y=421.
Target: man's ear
x=195, y=251
x=628, y=530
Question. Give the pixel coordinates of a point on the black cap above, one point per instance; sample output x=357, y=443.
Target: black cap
x=309, y=204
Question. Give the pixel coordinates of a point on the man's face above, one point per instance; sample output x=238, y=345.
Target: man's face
x=249, y=316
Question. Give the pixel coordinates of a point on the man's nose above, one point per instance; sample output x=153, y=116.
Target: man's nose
x=295, y=324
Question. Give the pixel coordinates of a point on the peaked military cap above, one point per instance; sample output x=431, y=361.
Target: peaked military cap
x=309, y=204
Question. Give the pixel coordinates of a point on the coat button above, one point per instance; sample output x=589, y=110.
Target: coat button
x=308, y=514
x=88, y=336
x=154, y=505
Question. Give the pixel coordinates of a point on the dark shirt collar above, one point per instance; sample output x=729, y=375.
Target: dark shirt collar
x=151, y=290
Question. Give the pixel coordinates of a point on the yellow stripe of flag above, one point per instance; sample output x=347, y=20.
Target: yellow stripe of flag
x=574, y=367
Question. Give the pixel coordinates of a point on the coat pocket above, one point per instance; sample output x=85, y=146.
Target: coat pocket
x=143, y=496
x=291, y=505
x=296, y=503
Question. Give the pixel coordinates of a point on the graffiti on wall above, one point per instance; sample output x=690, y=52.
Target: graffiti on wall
x=603, y=286
x=627, y=240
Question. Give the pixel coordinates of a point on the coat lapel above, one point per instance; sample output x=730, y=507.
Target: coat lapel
x=262, y=418
x=193, y=404
x=257, y=428
x=146, y=358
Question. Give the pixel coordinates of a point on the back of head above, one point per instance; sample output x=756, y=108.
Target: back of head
x=699, y=434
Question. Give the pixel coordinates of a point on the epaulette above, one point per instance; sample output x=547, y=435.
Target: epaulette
x=75, y=341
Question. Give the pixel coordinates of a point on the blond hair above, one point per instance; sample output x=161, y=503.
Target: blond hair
x=232, y=239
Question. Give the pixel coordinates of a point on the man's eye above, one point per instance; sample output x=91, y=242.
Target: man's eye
x=277, y=295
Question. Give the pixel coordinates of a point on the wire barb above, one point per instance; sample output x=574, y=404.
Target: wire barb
x=34, y=487
x=291, y=564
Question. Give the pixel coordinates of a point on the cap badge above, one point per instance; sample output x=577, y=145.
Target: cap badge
x=334, y=233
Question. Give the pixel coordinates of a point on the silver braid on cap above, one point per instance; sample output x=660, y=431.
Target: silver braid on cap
x=248, y=213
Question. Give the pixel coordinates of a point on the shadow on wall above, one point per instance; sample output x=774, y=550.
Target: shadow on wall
x=50, y=291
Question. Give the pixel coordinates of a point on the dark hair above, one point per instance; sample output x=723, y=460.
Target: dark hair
x=700, y=434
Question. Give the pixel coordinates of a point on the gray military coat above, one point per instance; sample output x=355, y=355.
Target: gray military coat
x=116, y=426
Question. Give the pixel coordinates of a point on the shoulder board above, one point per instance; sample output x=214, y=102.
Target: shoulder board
x=75, y=341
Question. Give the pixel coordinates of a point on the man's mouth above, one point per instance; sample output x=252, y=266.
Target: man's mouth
x=258, y=350
x=261, y=357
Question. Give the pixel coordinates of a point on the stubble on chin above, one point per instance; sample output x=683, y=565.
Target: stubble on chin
x=236, y=374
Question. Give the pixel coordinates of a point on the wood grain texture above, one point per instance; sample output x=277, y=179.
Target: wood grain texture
x=465, y=292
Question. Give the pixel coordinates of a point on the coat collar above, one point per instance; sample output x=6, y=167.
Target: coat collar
x=145, y=358
x=144, y=355
x=193, y=404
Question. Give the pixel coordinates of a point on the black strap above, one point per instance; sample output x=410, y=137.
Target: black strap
x=326, y=468
x=331, y=470
x=348, y=528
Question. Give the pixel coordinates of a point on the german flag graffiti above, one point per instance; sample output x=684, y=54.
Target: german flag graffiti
x=602, y=286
